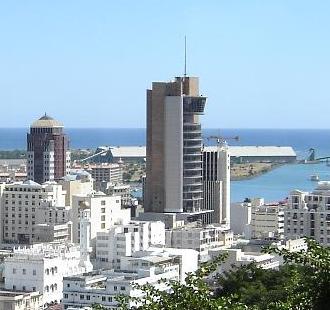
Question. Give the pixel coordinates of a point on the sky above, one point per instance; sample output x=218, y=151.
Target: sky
x=262, y=64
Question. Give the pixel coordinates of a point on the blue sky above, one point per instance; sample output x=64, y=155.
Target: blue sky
x=262, y=64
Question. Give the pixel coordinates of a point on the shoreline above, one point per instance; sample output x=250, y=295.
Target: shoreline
x=250, y=171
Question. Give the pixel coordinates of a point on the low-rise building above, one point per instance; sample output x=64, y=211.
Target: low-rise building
x=308, y=214
x=201, y=239
x=10, y=300
x=103, y=287
x=41, y=268
x=236, y=257
x=124, y=240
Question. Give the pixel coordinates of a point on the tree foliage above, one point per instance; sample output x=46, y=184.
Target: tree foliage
x=301, y=284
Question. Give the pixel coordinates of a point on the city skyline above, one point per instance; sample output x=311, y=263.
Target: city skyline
x=262, y=65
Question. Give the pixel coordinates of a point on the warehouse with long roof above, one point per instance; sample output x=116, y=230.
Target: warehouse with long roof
x=240, y=154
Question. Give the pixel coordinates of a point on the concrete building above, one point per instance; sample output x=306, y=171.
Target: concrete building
x=216, y=184
x=257, y=220
x=48, y=156
x=124, y=240
x=308, y=214
x=78, y=182
x=110, y=173
x=144, y=267
x=267, y=221
x=105, y=212
x=201, y=239
x=41, y=268
x=26, y=205
x=236, y=257
x=10, y=300
x=174, y=142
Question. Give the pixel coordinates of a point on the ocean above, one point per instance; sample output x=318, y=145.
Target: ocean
x=273, y=186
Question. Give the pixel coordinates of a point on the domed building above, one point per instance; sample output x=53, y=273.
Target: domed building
x=48, y=156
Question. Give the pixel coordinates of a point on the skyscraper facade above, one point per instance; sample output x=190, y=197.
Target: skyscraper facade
x=174, y=147
x=48, y=156
x=216, y=184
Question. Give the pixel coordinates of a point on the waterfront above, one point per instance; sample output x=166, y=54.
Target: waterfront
x=300, y=139
x=276, y=184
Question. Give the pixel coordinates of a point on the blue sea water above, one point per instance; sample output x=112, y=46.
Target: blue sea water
x=273, y=186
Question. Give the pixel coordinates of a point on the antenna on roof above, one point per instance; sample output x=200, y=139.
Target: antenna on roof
x=185, y=56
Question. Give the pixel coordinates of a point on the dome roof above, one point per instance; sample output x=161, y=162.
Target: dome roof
x=46, y=122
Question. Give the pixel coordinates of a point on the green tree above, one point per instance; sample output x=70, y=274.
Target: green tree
x=301, y=284
x=195, y=294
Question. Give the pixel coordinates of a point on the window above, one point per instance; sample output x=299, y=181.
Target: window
x=103, y=218
x=109, y=299
x=34, y=289
x=102, y=225
x=103, y=298
x=88, y=297
x=102, y=210
x=122, y=288
x=23, y=288
x=82, y=296
x=34, y=272
x=115, y=288
x=66, y=296
x=102, y=202
x=14, y=270
x=24, y=271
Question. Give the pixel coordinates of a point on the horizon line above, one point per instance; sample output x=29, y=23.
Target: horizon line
x=207, y=128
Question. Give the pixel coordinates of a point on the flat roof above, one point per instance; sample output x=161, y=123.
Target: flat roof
x=128, y=151
x=257, y=151
x=235, y=151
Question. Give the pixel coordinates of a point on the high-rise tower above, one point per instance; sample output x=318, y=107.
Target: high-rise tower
x=48, y=157
x=216, y=183
x=174, y=143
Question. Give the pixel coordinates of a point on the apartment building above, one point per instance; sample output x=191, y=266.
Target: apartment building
x=41, y=268
x=201, y=239
x=102, y=287
x=24, y=205
x=124, y=240
x=105, y=212
x=308, y=214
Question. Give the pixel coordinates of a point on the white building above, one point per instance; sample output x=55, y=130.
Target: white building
x=10, y=300
x=124, y=240
x=201, y=239
x=257, y=220
x=25, y=205
x=241, y=218
x=42, y=268
x=105, y=212
x=144, y=267
x=238, y=258
x=308, y=214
